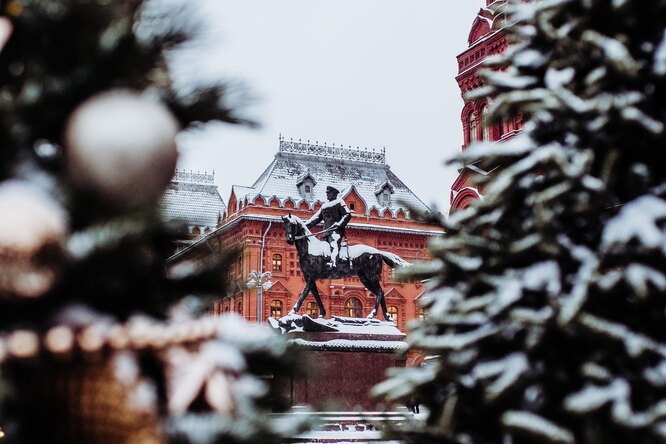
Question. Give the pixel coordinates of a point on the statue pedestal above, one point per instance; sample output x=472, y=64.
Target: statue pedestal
x=344, y=358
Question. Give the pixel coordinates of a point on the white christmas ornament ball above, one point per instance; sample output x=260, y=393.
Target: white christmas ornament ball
x=121, y=145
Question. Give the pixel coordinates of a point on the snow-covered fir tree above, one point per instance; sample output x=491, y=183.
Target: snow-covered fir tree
x=547, y=306
x=98, y=342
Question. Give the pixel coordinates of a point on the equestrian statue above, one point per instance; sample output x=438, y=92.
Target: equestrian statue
x=327, y=259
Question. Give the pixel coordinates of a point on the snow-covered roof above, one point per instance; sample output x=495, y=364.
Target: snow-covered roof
x=242, y=191
x=193, y=199
x=329, y=166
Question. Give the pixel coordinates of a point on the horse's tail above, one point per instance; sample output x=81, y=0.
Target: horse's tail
x=393, y=260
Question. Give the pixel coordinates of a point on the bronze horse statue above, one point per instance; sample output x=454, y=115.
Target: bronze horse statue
x=313, y=255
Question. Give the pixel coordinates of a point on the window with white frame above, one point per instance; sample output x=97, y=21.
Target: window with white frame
x=472, y=128
x=485, y=124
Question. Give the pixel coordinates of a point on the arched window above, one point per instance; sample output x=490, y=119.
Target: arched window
x=276, y=309
x=472, y=128
x=421, y=313
x=226, y=308
x=506, y=126
x=353, y=308
x=311, y=309
x=393, y=313
x=485, y=124
x=277, y=262
x=239, y=307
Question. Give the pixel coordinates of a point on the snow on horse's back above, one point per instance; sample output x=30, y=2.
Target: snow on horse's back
x=318, y=247
x=393, y=260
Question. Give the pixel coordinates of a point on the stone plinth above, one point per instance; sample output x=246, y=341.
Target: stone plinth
x=345, y=358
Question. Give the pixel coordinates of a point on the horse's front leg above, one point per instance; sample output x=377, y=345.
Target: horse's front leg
x=315, y=293
x=304, y=293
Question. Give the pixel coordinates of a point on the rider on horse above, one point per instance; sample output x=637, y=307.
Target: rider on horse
x=365, y=262
x=336, y=216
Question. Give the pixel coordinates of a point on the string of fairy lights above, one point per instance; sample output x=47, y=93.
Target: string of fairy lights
x=138, y=334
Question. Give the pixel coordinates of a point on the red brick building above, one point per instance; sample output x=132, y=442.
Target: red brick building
x=486, y=38
x=295, y=181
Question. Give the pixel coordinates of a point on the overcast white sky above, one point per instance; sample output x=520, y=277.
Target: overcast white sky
x=367, y=73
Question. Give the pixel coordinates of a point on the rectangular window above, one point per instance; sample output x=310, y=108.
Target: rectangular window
x=277, y=262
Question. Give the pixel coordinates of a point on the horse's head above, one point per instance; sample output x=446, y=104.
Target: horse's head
x=290, y=227
x=295, y=228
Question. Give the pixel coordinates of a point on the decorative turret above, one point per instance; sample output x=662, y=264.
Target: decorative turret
x=195, y=177
x=192, y=198
x=300, y=172
x=332, y=151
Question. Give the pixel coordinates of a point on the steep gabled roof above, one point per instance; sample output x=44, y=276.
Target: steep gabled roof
x=241, y=192
x=481, y=27
x=193, y=199
x=335, y=166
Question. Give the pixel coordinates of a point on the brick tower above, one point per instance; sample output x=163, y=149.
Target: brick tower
x=486, y=38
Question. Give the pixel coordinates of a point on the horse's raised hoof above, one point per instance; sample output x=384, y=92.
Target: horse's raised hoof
x=372, y=314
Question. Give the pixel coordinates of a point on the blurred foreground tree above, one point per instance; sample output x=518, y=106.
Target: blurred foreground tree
x=97, y=344
x=547, y=306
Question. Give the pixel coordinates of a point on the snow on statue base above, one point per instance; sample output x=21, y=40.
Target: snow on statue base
x=345, y=358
